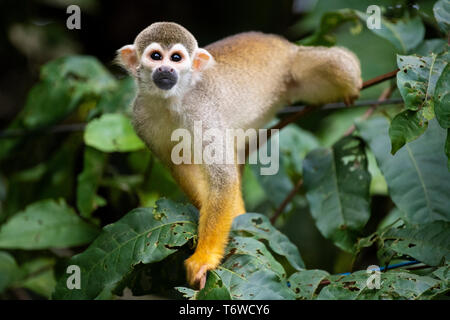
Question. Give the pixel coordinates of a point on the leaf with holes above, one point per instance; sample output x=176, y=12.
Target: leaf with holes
x=337, y=188
x=305, y=283
x=259, y=227
x=144, y=235
x=417, y=175
x=250, y=271
x=428, y=243
x=394, y=284
x=417, y=80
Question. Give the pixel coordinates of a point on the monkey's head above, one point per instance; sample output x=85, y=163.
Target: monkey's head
x=165, y=59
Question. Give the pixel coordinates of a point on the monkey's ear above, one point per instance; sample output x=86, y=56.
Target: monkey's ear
x=127, y=57
x=202, y=60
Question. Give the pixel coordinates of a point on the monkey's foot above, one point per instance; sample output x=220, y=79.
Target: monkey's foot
x=198, y=265
x=350, y=99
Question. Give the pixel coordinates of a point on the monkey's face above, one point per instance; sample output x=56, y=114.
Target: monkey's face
x=165, y=71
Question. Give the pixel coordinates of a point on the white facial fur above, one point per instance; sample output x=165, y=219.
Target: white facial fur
x=148, y=66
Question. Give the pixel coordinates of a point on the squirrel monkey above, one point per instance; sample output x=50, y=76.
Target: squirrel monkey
x=238, y=82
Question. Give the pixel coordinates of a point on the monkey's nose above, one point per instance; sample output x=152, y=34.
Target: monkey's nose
x=165, y=77
x=166, y=69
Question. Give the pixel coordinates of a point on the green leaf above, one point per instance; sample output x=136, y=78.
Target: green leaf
x=295, y=143
x=405, y=34
x=447, y=148
x=428, y=243
x=38, y=276
x=9, y=271
x=417, y=80
x=305, y=283
x=112, y=133
x=406, y=127
x=65, y=84
x=46, y=224
x=442, y=98
x=144, y=235
x=118, y=100
x=394, y=284
x=259, y=227
x=431, y=46
x=417, y=177
x=337, y=184
x=441, y=11
x=89, y=180
x=329, y=22
x=214, y=289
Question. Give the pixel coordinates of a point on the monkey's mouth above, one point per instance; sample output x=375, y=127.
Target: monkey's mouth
x=165, y=81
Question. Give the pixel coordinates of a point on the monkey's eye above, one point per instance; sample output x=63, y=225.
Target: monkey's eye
x=175, y=57
x=156, y=55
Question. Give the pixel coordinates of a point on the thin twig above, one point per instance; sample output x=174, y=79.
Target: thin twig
x=379, y=79
x=384, y=95
x=286, y=201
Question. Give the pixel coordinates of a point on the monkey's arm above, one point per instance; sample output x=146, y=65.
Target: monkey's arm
x=322, y=75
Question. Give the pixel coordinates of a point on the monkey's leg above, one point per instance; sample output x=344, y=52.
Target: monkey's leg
x=221, y=204
x=191, y=179
x=328, y=75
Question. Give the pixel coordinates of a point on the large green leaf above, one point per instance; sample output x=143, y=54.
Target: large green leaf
x=89, y=180
x=428, y=243
x=144, y=235
x=394, y=284
x=46, y=224
x=9, y=270
x=260, y=228
x=417, y=176
x=337, y=184
x=251, y=272
x=404, y=34
x=112, y=133
x=441, y=11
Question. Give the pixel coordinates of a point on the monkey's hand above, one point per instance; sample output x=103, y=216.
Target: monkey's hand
x=198, y=265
